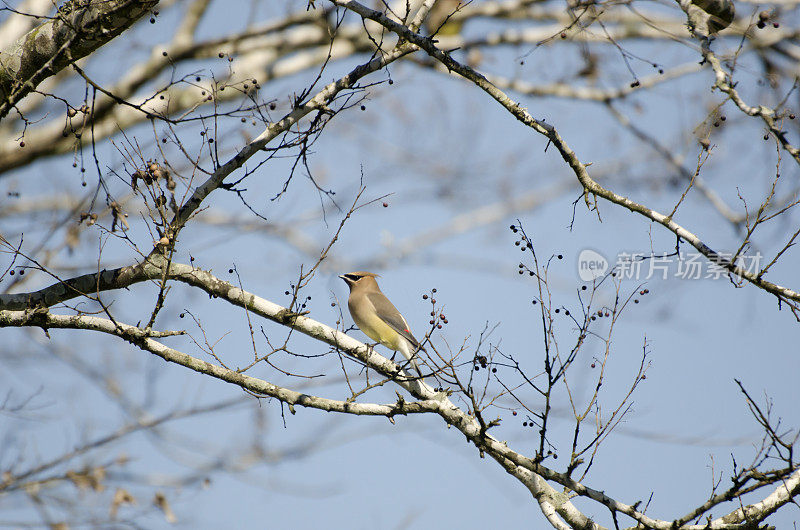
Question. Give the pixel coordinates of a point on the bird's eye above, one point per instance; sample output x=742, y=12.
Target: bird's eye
x=352, y=277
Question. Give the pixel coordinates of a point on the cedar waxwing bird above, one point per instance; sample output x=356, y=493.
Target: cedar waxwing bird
x=377, y=317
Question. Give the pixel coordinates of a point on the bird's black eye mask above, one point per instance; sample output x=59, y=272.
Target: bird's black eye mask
x=353, y=277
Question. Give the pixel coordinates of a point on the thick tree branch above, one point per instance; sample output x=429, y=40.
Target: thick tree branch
x=142, y=339
x=77, y=30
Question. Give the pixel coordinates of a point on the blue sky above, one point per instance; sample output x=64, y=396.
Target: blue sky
x=438, y=148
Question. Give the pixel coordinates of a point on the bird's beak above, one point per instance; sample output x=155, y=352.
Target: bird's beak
x=342, y=277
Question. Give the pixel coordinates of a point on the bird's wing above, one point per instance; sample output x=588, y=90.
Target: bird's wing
x=389, y=314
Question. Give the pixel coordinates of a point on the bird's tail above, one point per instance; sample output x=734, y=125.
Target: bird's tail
x=410, y=352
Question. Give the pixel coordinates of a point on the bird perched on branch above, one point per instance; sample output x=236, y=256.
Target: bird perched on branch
x=378, y=318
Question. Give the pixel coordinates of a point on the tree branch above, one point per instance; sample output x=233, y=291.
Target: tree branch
x=76, y=31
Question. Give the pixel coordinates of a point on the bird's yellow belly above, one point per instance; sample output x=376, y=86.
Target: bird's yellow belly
x=378, y=330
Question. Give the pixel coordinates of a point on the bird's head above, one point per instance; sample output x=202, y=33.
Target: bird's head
x=359, y=278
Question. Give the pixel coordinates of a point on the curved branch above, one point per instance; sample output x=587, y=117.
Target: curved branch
x=590, y=186
x=142, y=339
